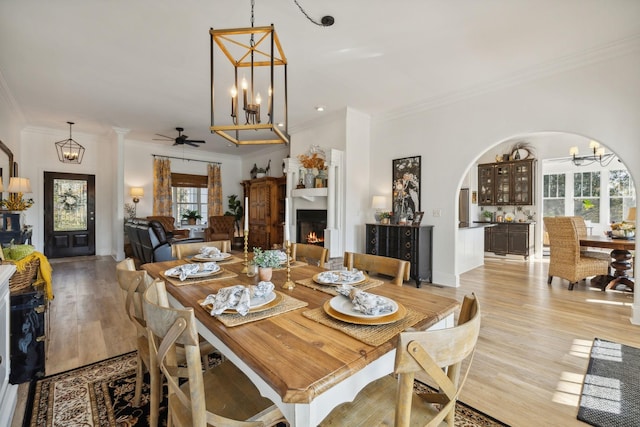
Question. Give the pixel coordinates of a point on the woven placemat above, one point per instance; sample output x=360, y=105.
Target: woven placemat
x=288, y=304
x=329, y=289
x=226, y=274
x=231, y=260
x=369, y=334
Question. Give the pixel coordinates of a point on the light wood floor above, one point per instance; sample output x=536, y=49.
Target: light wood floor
x=529, y=364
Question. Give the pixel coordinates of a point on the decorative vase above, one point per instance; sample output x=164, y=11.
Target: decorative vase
x=384, y=221
x=322, y=174
x=309, y=180
x=265, y=273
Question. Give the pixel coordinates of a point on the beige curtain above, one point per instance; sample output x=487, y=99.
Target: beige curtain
x=162, y=187
x=214, y=186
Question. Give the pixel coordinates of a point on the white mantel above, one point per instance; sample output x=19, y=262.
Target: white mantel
x=331, y=198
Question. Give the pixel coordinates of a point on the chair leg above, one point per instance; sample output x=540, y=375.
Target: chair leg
x=549, y=279
x=139, y=379
x=571, y=285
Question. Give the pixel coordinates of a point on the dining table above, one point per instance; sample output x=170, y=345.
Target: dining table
x=299, y=352
x=621, y=259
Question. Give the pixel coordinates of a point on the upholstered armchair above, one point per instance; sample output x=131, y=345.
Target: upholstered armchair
x=168, y=223
x=220, y=227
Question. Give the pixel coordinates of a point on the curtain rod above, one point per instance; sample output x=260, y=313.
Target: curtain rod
x=188, y=160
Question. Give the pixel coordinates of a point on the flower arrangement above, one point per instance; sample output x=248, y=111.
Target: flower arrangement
x=266, y=259
x=15, y=202
x=623, y=229
x=386, y=215
x=313, y=161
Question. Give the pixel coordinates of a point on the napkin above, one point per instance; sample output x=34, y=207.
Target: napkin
x=341, y=276
x=209, y=251
x=186, y=270
x=237, y=297
x=366, y=303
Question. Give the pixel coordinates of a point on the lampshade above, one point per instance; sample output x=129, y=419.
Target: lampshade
x=1, y=186
x=137, y=193
x=19, y=185
x=378, y=202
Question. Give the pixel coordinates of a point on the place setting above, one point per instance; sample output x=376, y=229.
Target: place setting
x=370, y=318
x=240, y=304
x=329, y=281
x=213, y=254
x=190, y=273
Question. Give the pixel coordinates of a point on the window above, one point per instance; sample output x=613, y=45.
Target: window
x=621, y=195
x=553, y=194
x=189, y=192
x=586, y=193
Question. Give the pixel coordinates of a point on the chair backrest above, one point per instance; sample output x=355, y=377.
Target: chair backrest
x=310, y=253
x=376, y=264
x=169, y=327
x=168, y=222
x=187, y=249
x=440, y=354
x=160, y=231
x=221, y=227
x=133, y=284
x=564, y=241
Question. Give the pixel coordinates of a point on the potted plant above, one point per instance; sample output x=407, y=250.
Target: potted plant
x=235, y=209
x=385, y=217
x=266, y=262
x=488, y=215
x=191, y=216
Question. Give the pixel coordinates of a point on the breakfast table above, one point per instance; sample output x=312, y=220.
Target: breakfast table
x=621, y=257
x=299, y=352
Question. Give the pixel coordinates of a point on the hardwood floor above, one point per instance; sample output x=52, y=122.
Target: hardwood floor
x=529, y=364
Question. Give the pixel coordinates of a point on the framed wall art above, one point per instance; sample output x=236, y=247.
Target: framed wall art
x=406, y=188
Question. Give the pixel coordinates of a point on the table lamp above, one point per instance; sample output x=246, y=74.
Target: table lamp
x=378, y=203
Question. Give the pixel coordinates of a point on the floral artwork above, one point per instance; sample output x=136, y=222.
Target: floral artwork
x=406, y=188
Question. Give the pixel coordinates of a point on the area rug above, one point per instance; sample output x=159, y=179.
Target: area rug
x=611, y=389
x=101, y=394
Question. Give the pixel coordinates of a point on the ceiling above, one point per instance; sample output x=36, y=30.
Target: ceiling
x=144, y=65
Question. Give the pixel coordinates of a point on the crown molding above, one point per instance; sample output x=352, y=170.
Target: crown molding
x=617, y=48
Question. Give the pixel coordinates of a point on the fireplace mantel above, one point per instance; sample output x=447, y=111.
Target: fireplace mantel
x=310, y=194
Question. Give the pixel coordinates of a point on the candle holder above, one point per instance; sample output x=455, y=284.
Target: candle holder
x=288, y=285
x=246, y=253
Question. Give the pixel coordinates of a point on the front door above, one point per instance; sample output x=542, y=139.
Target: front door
x=69, y=220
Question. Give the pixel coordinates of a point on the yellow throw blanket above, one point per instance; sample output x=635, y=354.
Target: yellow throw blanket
x=44, y=271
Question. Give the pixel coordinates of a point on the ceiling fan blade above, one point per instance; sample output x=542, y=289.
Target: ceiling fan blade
x=164, y=136
x=191, y=144
x=197, y=141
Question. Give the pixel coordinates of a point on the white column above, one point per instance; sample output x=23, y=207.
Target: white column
x=117, y=249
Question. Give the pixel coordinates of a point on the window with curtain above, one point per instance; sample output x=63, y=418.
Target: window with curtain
x=622, y=194
x=189, y=192
x=586, y=195
x=553, y=194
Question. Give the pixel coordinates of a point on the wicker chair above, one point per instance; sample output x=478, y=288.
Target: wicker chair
x=311, y=254
x=220, y=227
x=566, y=260
x=168, y=222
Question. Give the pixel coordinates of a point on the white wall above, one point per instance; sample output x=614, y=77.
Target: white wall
x=601, y=102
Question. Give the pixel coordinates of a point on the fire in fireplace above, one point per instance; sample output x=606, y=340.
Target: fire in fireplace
x=310, y=226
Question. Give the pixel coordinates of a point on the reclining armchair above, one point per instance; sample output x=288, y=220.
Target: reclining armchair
x=170, y=230
x=150, y=242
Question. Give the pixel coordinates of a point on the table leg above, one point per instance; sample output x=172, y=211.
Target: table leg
x=621, y=264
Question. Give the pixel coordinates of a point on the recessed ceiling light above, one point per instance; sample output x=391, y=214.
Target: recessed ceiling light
x=280, y=124
x=320, y=108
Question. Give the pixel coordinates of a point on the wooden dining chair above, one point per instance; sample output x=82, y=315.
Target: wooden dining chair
x=438, y=354
x=133, y=283
x=311, y=254
x=376, y=264
x=184, y=250
x=221, y=396
x=565, y=258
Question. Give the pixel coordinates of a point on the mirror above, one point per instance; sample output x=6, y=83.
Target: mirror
x=6, y=165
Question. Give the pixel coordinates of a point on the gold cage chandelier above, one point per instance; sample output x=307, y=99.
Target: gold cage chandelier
x=258, y=61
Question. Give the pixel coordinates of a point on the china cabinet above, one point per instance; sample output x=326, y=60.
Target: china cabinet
x=266, y=211
x=410, y=243
x=506, y=183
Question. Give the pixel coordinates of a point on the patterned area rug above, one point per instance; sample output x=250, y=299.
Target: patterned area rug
x=101, y=394
x=611, y=389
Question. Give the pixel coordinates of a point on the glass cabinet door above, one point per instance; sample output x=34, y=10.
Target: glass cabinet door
x=485, y=185
x=522, y=185
x=503, y=184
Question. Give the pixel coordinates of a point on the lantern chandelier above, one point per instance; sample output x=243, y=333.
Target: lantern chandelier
x=598, y=156
x=259, y=69
x=69, y=151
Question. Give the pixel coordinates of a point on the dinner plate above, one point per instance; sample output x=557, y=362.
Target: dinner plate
x=343, y=305
x=261, y=304
x=398, y=315
x=199, y=274
x=317, y=279
x=218, y=257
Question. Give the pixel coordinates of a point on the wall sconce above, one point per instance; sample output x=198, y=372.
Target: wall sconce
x=136, y=193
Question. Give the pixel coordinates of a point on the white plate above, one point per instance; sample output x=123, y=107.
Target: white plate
x=255, y=302
x=203, y=273
x=343, y=305
x=321, y=278
x=219, y=257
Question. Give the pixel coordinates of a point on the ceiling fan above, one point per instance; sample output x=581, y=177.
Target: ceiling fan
x=181, y=139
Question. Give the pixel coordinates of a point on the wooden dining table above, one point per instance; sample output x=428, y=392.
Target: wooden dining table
x=305, y=363
x=621, y=258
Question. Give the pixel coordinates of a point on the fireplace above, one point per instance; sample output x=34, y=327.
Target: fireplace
x=310, y=225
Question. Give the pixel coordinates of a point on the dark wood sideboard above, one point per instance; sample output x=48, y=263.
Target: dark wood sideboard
x=407, y=242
